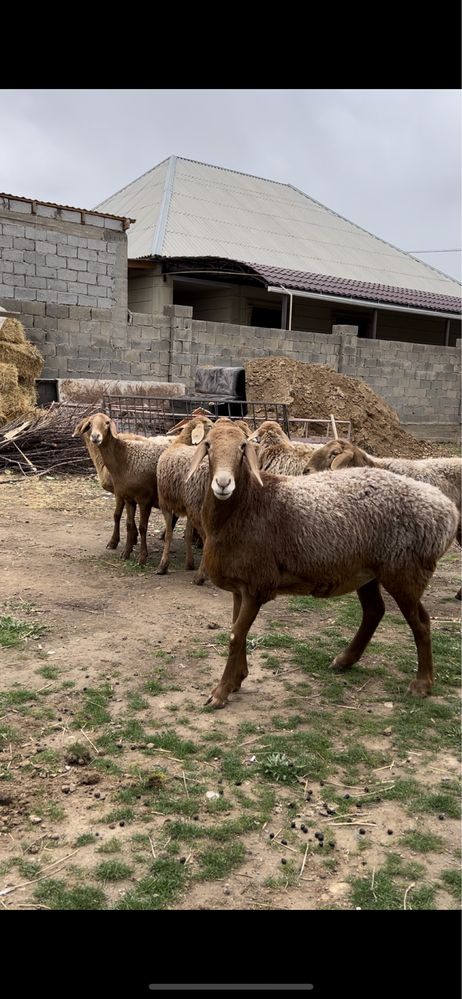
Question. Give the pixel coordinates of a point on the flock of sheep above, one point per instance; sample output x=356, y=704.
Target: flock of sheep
x=274, y=519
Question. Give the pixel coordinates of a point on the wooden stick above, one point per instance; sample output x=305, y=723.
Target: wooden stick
x=152, y=848
x=304, y=861
x=89, y=741
x=412, y=885
x=7, y=891
x=334, y=428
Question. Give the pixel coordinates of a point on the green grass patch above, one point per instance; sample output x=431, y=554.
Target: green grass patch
x=94, y=710
x=452, y=881
x=85, y=839
x=48, y=672
x=113, y=870
x=159, y=889
x=110, y=846
x=56, y=895
x=217, y=862
x=422, y=842
x=14, y=632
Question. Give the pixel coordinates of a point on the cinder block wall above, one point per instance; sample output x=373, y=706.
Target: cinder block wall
x=65, y=272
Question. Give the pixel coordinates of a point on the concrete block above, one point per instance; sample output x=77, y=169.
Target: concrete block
x=65, y=298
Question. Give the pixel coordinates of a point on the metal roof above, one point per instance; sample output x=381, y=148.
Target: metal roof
x=186, y=208
x=282, y=279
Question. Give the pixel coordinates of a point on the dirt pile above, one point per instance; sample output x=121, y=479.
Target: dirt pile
x=315, y=390
x=20, y=364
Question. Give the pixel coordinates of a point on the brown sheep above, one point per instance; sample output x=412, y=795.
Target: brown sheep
x=105, y=477
x=323, y=535
x=176, y=496
x=132, y=465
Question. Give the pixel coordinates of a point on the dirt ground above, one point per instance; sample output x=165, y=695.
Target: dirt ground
x=120, y=661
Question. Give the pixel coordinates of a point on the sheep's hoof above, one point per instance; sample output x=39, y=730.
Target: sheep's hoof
x=162, y=570
x=420, y=688
x=142, y=559
x=341, y=662
x=217, y=699
x=112, y=544
x=125, y=555
x=189, y=566
x=198, y=580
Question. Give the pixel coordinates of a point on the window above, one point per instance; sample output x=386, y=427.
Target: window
x=271, y=318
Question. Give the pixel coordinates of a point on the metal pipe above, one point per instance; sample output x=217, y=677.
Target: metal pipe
x=446, y=332
x=374, y=325
x=360, y=304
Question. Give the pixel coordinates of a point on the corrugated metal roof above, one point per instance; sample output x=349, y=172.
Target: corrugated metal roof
x=211, y=211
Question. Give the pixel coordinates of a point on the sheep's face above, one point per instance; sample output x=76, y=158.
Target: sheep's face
x=336, y=454
x=226, y=447
x=100, y=428
x=269, y=432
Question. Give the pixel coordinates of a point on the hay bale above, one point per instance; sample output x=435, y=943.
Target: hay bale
x=15, y=398
x=25, y=357
x=8, y=378
x=12, y=331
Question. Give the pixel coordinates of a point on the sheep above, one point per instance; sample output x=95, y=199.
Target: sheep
x=324, y=535
x=105, y=477
x=276, y=453
x=179, y=497
x=444, y=473
x=132, y=465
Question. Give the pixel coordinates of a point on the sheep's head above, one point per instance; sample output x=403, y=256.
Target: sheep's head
x=269, y=432
x=194, y=431
x=337, y=454
x=227, y=447
x=98, y=427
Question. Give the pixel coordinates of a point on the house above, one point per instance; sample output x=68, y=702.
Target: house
x=248, y=251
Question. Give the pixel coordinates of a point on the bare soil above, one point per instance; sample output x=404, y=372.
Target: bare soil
x=108, y=623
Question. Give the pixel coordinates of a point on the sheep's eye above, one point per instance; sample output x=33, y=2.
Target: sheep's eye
x=243, y=446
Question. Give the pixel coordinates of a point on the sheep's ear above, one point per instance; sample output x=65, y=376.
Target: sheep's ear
x=344, y=460
x=113, y=428
x=82, y=427
x=198, y=433
x=201, y=452
x=251, y=455
x=178, y=426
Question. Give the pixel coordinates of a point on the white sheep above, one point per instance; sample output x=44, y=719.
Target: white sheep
x=276, y=453
x=444, y=473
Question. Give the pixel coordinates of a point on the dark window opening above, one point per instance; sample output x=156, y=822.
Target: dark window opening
x=364, y=323
x=271, y=318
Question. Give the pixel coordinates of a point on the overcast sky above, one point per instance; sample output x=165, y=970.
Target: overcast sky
x=388, y=160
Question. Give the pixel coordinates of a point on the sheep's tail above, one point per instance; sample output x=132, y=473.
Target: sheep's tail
x=445, y=528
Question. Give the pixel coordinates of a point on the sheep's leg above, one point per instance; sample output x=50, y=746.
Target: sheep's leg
x=164, y=562
x=459, y=540
x=188, y=538
x=373, y=611
x=200, y=577
x=419, y=623
x=236, y=667
x=174, y=521
x=132, y=532
x=118, y=511
x=145, y=510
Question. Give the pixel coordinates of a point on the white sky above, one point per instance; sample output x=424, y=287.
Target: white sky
x=389, y=160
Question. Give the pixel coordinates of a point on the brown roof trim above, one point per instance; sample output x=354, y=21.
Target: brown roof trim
x=69, y=208
x=318, y=284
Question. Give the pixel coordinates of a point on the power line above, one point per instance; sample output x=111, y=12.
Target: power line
x=457, y=249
